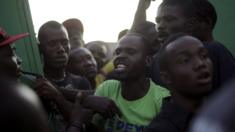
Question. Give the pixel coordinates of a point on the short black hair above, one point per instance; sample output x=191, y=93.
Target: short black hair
x=200, y=9
x=162, y=56
x=122, y=33
x=46, y=26
x=143, y=38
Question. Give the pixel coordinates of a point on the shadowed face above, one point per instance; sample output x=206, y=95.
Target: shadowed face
x=190, y=69
x=99, y=51
x=55, y=48
x=82, y=62
x=10, y=63
x=170, y=19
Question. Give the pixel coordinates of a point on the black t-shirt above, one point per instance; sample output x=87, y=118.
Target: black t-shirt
x=172, y=118
x=73, y=82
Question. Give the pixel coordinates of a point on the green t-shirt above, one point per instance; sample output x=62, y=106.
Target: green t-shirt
x=135, y=114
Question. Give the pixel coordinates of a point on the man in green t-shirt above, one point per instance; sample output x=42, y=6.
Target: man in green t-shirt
x=129, y=102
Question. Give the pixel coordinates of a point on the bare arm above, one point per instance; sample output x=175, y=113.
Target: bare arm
x=70, y=94
x=46, y=90
x=140, y=15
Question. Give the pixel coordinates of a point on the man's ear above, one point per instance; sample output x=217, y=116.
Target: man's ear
x=164, y=75
x=148, y=61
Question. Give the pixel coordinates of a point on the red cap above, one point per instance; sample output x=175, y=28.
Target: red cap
x=6, y=39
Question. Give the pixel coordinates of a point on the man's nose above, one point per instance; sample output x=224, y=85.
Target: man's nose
x=61, y=48
x=160, y=27
x=199, y=63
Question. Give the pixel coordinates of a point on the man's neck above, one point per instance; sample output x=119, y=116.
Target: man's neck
x=207, y=37
x=190, y=104
x=55, y=74
x=135, y=89
x=92, y=82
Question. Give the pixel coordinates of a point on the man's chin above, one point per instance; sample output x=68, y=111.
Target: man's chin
x=59, y=65
x=117, y=76
x=91, y=75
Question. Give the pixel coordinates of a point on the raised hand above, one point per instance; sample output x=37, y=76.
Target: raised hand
x=145, y=3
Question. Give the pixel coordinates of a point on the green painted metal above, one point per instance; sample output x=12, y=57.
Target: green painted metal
x=15, y=18
x=225, y=27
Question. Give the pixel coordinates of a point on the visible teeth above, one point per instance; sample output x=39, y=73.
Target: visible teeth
x=121, y=66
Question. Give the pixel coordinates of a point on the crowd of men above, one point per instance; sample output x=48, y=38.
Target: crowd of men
x=158, y=79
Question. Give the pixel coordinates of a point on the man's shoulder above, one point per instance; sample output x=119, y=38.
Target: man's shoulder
x=159, y=90
x=172, y=118
x=110, y=83
x=108, y=88
x=160, y=124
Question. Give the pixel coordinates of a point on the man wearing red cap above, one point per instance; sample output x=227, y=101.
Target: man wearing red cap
x=10, y=63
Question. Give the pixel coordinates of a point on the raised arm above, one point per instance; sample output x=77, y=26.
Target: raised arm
x=140, y=15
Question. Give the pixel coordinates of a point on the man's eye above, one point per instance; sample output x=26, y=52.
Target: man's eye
x=64, y=42
x=157, y=20
x=168, y=19
x=131, y=51
x=184, y=60
x=117, y=52
x=51, y=44
x=204, y=55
